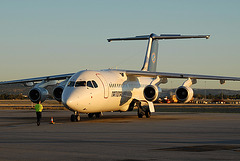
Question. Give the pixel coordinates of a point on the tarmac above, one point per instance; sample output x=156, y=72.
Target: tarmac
x=120, y=136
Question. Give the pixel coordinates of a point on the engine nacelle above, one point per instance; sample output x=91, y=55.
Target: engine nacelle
x=184, y=94
x=38, y=94
x=151, y=92
x=57, y=93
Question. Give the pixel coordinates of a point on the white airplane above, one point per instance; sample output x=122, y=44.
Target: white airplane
x=94, y=92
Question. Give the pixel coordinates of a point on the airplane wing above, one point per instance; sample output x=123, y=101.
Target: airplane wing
x=180, y=75
x=36, y=79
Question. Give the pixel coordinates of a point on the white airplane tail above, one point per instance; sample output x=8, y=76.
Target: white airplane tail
x=150, y=61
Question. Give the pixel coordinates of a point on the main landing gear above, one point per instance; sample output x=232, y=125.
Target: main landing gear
x=143, y=110
x=75, y=117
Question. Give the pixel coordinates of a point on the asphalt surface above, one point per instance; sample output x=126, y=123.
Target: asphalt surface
x=120, y=136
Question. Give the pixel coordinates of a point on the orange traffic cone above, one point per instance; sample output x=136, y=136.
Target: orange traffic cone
x=52, y=122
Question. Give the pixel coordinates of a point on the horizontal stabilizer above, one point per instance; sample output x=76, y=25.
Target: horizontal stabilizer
x=161, y=37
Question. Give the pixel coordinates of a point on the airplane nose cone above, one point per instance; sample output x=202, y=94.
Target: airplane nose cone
x=68, y=100
x=72, y=99
x=68, y=103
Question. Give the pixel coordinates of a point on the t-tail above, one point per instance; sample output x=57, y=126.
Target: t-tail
x=150, y=61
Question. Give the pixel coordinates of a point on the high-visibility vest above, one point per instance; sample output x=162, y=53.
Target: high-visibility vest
x=38, y=107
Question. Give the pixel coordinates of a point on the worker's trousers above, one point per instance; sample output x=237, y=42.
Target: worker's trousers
x=39, y=116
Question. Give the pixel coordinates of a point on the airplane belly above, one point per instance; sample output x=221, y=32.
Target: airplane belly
x=104, y=105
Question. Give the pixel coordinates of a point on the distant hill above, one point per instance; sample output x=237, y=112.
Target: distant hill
x=14, y=89
x=18, y=89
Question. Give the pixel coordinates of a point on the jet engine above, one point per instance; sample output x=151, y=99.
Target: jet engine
x=184, y=94
x=151, y=92
x=38, y=94
x=57, y=93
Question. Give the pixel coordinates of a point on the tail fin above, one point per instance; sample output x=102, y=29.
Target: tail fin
x=150, y=61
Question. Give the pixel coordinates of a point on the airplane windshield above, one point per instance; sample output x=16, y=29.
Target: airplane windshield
x=89, y=84
x=94, y=83
x=80, y=84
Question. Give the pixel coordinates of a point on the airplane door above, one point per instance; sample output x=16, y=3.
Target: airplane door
x=105, y=85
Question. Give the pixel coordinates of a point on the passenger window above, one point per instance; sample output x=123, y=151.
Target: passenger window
x=89, y=84
x=71, y=84
x=94, y=84
x=80, y=84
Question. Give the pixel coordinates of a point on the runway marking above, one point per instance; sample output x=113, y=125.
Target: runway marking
x=203, y=148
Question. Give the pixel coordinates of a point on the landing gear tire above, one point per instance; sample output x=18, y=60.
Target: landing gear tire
x=98, y=115
x=148, y=114
x=140, y=112
x=75, y=117
x=72, y=117
x=90, y=115
x=140, y=115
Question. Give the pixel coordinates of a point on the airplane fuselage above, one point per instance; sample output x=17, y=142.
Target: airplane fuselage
x=101, y=91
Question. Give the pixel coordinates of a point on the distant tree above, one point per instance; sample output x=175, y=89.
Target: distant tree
x=210, y=96
x=237, y=96
x=11, y=96
x=198, y=96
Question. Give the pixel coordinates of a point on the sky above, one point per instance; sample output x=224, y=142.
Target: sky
x=40, y=38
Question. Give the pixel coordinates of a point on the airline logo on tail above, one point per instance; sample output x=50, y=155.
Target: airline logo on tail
x=153, y=57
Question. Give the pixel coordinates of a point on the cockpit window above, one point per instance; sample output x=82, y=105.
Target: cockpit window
x=94, y=84
x=71, y=84
x=89, y=84
x=80, y=84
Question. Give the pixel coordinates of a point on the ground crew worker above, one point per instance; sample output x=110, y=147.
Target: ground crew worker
x=39, y=109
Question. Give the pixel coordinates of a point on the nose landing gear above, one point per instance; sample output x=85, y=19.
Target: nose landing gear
x=75, y=117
